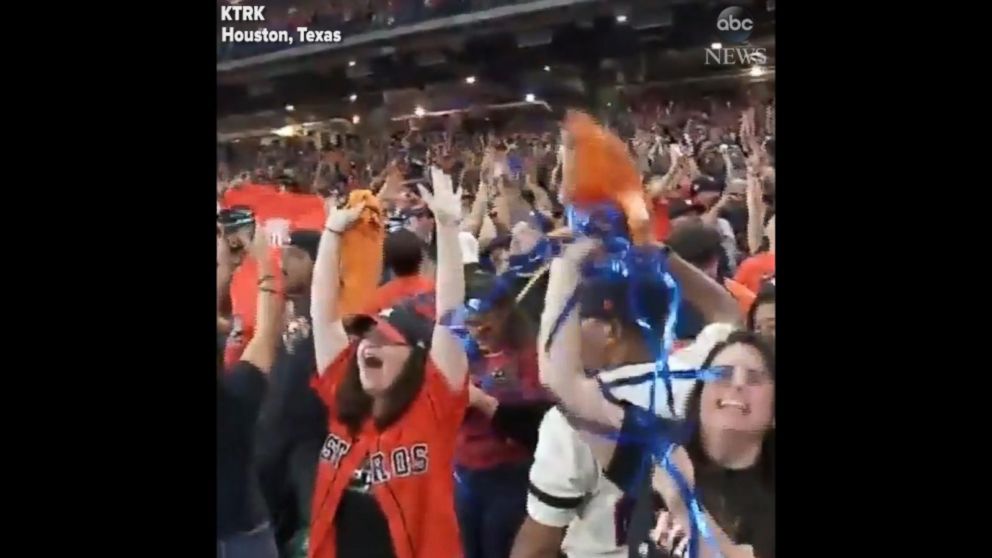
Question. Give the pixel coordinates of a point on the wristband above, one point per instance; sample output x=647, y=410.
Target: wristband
x=265, y=278
x=267, y=290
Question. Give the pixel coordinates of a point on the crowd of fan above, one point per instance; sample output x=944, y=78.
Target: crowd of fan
x=524, y=480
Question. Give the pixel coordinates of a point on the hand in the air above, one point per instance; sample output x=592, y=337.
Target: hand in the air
x=445, y=202
x=339, y=219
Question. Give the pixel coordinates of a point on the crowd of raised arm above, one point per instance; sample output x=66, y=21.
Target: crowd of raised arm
x=472, y=386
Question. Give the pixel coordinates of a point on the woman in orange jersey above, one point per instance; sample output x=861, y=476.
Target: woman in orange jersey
x=396, y=388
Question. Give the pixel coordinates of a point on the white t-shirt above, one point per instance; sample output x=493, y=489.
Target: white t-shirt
x=567, y=485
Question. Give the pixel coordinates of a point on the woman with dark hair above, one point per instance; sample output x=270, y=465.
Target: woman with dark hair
x=243, y=528
x=733, y=449
x=761, y=316
x=496, y=442
x=396, y=388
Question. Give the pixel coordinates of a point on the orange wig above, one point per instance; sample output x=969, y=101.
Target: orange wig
x=601, y=170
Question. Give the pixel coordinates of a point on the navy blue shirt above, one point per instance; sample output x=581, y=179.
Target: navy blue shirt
x=292, y=412
x=240, y=506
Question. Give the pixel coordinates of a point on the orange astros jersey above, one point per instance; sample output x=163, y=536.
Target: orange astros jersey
x=411, y=468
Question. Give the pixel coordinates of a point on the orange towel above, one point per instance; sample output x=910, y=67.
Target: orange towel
x=361, y=254
x=602, y=170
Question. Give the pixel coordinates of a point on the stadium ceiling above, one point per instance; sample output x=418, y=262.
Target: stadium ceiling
x=547, y=54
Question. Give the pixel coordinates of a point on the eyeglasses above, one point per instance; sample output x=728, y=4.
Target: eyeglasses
x=751, y=377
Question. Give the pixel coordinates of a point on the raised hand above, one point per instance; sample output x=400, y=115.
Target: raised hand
x=445, y=202
x=340, y=219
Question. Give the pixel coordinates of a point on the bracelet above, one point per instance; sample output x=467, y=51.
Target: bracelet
x=330, y=230
x=265, y=278
x=267, y=290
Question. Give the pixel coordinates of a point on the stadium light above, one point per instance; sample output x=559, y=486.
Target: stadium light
x=470, y=80
x=419, y=111
x=621, y=18
x=351, y=63
x=757, y=71
x=547, y=68
x=716, y=46
x=530, y=98
x=353, y=98
x=356, y=119
x=290, y=108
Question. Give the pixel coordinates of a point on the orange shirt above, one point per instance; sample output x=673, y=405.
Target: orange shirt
x=756, y=269
x=744, y=296
x=387, y=295
x=413, y=468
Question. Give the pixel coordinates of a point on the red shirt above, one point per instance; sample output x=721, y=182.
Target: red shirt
x=509, y=377
x=395, y=290
x=660, y=223
x=754, y=270
x=414, y=481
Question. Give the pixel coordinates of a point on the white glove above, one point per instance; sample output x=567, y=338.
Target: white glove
x=338, y=220
x=445, y=202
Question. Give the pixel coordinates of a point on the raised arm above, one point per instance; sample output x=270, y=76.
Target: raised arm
x=446, y=350
x=328, y=331
x=676, y=169
x=714, y=303
x=477, y=217
x=560, y=364
x=755, y=211
x=261, y=350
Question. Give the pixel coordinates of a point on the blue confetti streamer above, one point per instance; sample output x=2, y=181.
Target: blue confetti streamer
x=519, y=265
x=639, y=266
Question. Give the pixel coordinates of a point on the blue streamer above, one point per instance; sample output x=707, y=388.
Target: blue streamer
x=638, y=266
x=519, y=265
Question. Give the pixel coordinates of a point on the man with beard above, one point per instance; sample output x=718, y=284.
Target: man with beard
x=292, y=424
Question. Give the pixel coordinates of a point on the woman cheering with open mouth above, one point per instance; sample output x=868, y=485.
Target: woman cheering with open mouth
x=396, y=388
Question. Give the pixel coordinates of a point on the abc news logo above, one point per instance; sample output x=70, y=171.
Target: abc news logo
x=734, y=26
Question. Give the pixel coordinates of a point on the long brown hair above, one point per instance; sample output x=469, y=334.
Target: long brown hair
x=354, y=405
x=742, y=503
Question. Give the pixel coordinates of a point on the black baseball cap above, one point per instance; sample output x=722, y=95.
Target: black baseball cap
x=679, y=208
x=306, y=240
x=408, y=323
x=706, y=184
x=419, y=211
